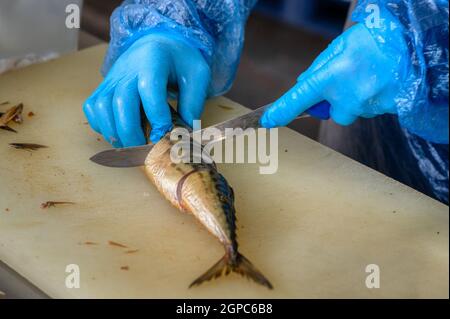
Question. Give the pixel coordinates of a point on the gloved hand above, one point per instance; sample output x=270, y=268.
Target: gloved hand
x=142, y=73
x=353, y=74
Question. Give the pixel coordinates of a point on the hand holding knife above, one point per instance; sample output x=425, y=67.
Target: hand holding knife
x=135, y=156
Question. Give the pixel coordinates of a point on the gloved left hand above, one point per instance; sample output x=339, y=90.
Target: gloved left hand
x=356, y=76
x=142, y=74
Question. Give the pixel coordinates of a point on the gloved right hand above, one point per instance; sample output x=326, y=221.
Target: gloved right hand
x=354, y=74
x=142, y=74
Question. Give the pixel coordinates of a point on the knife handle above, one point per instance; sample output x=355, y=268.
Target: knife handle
x=320, y=111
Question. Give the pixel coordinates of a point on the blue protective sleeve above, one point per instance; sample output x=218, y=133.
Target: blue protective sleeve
x=422, y=104
x=215, y=27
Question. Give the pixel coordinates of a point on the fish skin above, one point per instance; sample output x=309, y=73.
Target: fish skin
x=207, y=206
x=201, y=190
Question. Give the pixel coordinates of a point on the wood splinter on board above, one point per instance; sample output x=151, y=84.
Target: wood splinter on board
x=27, y=146
x=53, y=204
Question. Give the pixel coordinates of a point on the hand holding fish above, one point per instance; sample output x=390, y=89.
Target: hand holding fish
x=142, y=74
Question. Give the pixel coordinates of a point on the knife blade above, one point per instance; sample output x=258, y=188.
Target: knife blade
x=135, y=156
x=123, y=157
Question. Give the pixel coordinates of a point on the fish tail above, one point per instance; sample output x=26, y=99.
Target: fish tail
x=239, y=265
x=244, y=267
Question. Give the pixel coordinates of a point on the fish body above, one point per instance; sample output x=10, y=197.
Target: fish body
x=199, y=189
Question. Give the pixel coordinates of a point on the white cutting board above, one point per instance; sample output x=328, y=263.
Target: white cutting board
x=312, y=228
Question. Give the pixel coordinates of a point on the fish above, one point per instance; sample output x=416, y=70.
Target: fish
x=199, y=189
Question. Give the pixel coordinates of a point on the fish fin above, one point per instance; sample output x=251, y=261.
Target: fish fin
x=245, y=268
x=214, y=272
x=241, y=266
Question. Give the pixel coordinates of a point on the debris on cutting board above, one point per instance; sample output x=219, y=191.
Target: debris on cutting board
x=225, y=107
x=12, y=114
x=18, y=118
x=4, y=103
x=31, y=114
x=116, y=244
x=90, y=243
x=7, y=128
x=53, y=204
x=27, y=146
x=111, y=243
x=125, y=268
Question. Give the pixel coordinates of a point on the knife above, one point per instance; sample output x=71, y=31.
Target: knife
x=135, y=156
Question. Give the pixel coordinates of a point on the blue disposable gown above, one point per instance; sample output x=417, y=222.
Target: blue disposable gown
x=217, y=27
x=416, y=151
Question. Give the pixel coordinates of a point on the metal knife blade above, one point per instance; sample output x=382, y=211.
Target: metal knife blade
x=123, y=157
x=246, y=121
x=135, y=156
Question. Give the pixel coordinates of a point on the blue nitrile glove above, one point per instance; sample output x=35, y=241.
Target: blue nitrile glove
x=194, y=45
x=142, y=73
x=353, y=74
